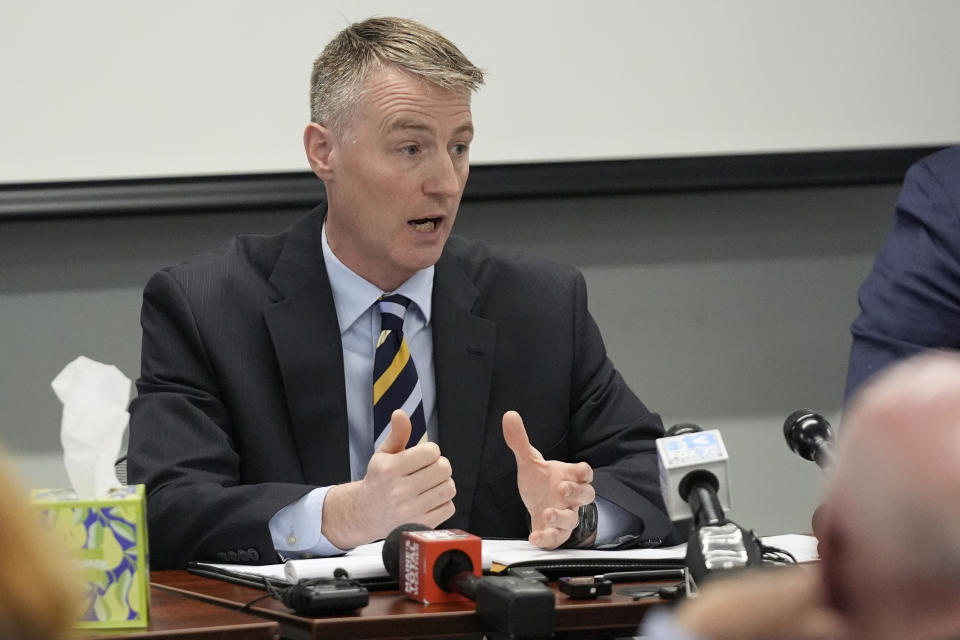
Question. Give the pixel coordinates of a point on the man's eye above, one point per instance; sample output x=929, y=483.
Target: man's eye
x=460, y=149
x=410, y=150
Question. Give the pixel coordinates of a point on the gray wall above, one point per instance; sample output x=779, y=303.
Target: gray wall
x=728, y=309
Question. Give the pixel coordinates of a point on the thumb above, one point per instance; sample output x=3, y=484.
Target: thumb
x=400, y=428
x=515, y=435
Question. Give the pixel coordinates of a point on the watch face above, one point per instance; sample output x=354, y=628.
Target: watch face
x=588, y=517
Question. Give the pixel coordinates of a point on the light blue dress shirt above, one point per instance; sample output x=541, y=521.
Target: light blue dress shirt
x=295, y=529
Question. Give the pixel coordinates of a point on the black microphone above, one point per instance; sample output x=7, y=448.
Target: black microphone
x=699, y=490
x=696, y=457
x=699, y=487
x=682, y=429
x=810, y=436
x=444, y=564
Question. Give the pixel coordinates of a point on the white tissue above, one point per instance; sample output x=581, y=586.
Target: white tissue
x=94, y=397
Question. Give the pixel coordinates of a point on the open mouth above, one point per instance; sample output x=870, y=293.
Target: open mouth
x=424, y=224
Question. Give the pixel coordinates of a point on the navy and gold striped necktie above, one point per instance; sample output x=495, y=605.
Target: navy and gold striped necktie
x=395, y=381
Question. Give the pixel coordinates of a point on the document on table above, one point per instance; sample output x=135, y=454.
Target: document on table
x=365, y=561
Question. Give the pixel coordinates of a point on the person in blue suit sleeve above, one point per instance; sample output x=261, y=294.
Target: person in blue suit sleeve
x=910, y=302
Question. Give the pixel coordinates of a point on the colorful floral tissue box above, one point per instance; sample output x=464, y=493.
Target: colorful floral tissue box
x=108, y=538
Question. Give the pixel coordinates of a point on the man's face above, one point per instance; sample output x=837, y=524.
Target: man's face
x=396, y=176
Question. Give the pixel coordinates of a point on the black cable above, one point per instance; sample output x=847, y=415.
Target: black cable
x=777, y=555
x=272, y=592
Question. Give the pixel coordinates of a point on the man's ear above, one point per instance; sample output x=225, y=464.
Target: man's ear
x=318, y=142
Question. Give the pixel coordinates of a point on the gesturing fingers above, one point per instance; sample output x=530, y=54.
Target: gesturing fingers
x=412, y=485
x=579, y=472
x=438, y=514
x=562, y=519
x=405, y=462
x=429, y=492
x=573, y=494
x=515, y=435
x=429, y=476
x=557, y=525
x=400, y=428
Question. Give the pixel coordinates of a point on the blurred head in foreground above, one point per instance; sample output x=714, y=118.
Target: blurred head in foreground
x=890, y=535
x=39, y=597
x=889, y=531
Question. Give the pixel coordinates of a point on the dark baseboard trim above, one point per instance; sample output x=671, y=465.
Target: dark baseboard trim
x=301, y=190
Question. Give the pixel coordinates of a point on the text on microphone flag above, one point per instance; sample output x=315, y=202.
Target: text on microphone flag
x=693, y=447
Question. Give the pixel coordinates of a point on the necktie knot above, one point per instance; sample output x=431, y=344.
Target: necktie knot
x=393, y=308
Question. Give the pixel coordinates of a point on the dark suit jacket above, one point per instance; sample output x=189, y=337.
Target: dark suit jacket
x=241, y=407
x=911, y=299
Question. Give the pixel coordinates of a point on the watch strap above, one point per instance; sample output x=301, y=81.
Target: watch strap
x=586, y=527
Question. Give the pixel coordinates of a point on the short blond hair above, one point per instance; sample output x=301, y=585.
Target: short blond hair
x=340, y=71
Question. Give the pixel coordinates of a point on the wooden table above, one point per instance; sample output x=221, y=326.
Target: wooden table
x=390, y=615
x=174, y=616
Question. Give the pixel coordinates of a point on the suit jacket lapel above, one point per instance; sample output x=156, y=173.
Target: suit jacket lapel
x=306, y=337
x=463, y=345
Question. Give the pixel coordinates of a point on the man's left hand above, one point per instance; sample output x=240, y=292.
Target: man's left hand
x=552, y=491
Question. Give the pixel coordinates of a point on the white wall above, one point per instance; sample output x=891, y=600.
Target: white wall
x=106, y=88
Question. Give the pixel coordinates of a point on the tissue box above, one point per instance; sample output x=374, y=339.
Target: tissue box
x=108, y=539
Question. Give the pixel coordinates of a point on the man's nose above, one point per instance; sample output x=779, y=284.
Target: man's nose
x=446, y=177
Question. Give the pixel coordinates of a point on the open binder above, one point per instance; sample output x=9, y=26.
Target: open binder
x=552, y=569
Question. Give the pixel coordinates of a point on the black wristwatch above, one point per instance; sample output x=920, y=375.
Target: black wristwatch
x=585, y=529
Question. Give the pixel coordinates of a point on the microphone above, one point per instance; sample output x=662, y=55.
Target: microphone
x=684, y=449
x=810, y=436
x=682, y=429
x=443, y=565
x=693, y=479
x=431, y=566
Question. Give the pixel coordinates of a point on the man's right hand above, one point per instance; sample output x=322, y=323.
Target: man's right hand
x=401, y=486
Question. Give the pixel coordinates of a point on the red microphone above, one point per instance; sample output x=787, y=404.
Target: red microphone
x=444, y=566
x=439, y=565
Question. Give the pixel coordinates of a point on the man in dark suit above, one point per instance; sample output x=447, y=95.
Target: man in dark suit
x=911, y=299
x=255, y=429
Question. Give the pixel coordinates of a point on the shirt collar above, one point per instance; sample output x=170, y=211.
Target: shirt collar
x=352, y=295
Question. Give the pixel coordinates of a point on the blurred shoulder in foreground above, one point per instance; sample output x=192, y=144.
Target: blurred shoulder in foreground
x=39, y=593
